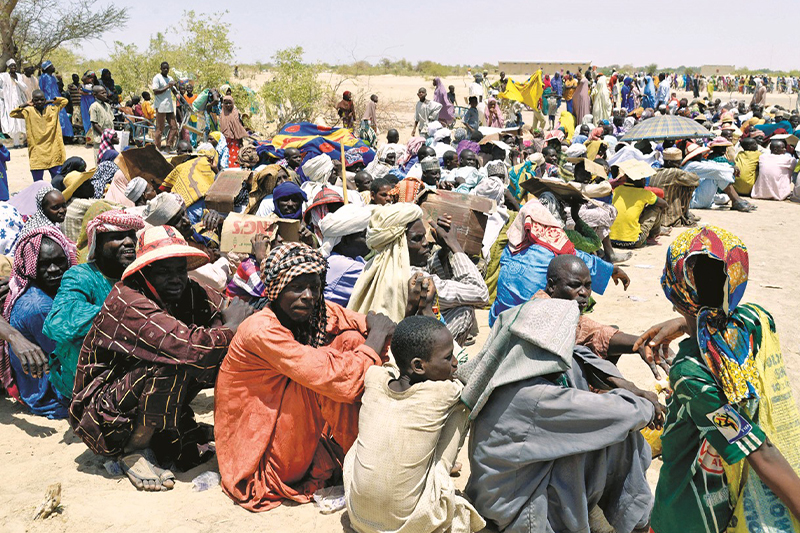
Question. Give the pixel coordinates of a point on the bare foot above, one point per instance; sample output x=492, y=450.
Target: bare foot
x=456, y=470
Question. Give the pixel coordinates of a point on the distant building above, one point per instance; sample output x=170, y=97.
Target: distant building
x=526, y=68
x=717, y=70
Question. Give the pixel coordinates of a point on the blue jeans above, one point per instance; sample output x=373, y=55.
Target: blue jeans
x=39, y=174
x=569, y=106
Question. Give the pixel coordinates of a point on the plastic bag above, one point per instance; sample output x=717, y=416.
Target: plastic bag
x=757, y=508
x=330, y=499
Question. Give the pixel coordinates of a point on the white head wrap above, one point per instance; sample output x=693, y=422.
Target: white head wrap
x=162, y=208
x=441, y=134
x=576, y=150
x=135, y=189
x=10, y=62
x=318, y=169
x=346, y=220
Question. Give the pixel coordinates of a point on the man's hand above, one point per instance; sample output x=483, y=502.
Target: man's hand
x=444, y=235
x=380, y=330
x=654, y=359
x=658, y=409
x=655, y=341
x=307, y=236
x=619, y=275
x=236, y=312
x=213, y=220
x=421, y=295
x=34, y=361
x=260, y=243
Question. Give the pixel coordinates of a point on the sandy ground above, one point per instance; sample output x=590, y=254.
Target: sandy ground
x=36, y=452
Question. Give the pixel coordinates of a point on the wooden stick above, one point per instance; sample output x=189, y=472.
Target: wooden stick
x=344, y=175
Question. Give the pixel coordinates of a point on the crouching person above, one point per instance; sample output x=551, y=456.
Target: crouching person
x=411, y=426
x=544, y=447
x=157, y=341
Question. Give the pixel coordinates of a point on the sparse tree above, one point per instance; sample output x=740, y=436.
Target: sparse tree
x=294, y=93
x=31, y=29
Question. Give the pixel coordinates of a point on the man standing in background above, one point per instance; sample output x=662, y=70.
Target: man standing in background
x=163, y=87
x=12, y=96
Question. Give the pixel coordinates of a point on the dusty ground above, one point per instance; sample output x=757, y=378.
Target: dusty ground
x=36, y=452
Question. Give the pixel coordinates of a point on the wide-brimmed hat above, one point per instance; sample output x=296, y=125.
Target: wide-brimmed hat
x=788, y=138
x=164, y=242
x=635, y=169
x=719, y=141
x=75, y=179
x=694, y=150
x=325, y=196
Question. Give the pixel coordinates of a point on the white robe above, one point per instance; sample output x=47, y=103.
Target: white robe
x=12, y=95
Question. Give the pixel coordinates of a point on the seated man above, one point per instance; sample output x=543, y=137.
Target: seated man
x=746, y=165
x=544, y=448
x=399, y=238
x=410, y=428
x=344, y=244
x=775, y=171
x=42, y=257
x=286, y=401
x=638, y=210
x=534, y=238
x=678, y=186
x=157, y=341
x=84, y=288
x=568, y=278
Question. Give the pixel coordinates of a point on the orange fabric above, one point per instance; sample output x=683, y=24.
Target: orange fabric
x=286, y=413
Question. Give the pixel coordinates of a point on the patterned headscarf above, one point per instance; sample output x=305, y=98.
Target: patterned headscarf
x=724, y=340
x=535, y=224
x=284, y=264
x=26, y=260
x=116, y=220
x=103, y=177
x=39, y=219
x=105, y=143
x=10, y=225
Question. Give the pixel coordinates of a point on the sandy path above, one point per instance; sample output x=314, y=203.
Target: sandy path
x=36, y=452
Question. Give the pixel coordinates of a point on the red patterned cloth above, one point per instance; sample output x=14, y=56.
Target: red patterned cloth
x=116, y=220
x=536, y=225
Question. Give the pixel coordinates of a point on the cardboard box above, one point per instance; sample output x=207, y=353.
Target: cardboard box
x=563, y=190
x=225, y=188
x=469, y=214
x=146, y=162
x=238, y=231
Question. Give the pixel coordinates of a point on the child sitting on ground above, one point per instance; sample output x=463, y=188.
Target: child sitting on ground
x=746, y=166
x=638, y=209
x=411, y=426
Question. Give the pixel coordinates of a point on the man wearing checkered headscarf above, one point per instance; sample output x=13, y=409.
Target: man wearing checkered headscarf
x=21, y=378
x=280, y=374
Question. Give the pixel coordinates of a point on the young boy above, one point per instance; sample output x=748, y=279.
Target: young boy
x=148, y=111
x=638, y=210
x=379, y=190
x=411, y=426
x=746, y=165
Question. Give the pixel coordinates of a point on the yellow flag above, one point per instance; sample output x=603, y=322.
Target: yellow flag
x=528, y=93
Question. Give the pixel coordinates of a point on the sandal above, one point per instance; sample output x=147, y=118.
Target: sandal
x=743, y=206
x=140, y=466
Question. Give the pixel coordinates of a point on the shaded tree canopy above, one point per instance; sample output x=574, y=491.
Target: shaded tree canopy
x=31, y=29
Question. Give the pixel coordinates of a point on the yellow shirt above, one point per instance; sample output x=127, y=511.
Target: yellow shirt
x=629, y=202
x=746, y=162
x=45, y=143
x=148, y=111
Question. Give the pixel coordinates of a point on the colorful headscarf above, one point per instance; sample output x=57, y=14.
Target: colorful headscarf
x=288, y=188
x=103, y=177
x=285, y=263
x=116, y=220
x=10, y=225
x=535, y=224
x=406, y=190
x=26, y=260
x=724, y=340
x=38, y=219
x=105, y=143
x=246, y=282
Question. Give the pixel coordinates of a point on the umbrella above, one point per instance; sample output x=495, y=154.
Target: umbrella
x=666, y=127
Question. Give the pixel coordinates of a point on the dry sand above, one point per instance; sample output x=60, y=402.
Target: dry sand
x=35, y=452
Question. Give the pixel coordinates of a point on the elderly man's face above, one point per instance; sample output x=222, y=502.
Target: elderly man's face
x=169, y=277
x=571, y=283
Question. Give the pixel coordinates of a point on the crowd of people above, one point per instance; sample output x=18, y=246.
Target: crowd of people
x=338, y=357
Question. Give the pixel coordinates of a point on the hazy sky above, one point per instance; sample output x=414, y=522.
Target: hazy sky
x=683, y=32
